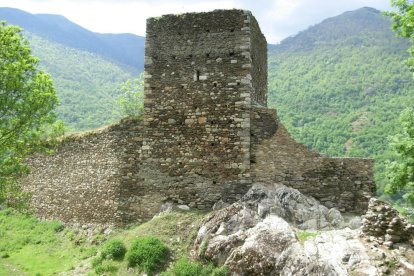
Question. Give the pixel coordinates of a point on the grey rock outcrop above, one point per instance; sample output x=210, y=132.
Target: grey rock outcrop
x=304, y=212
x=259, y=236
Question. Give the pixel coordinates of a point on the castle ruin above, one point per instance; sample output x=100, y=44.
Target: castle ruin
x=207, y=135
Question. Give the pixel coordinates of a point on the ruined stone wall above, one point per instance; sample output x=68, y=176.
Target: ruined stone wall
x=81, y=181
x=345, y=183
x=198, y=92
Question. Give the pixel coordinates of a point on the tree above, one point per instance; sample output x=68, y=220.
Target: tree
x=403, y=24
x=131, y=99
x=400, y=172
x=27, y=101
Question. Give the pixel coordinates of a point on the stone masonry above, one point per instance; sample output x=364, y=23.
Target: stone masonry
x=203, y=73
x=207, y=135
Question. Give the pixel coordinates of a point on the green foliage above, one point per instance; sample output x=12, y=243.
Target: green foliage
x=184, y=267
x=304, y=235
x=147, y=253
x=27, y=103
x=131, y=99
x=87, y=84
x=403, y=24
x=96, y=261
x=340, y=85
x=176, y=229
x=31, y=246
x=392, y=263
x=59, y=227
x=400, y=172
x=114, y=249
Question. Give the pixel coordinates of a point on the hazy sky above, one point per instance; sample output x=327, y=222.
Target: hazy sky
x=278, y=18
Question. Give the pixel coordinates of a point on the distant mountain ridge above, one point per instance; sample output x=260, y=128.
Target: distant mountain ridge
x=352, y=24
x=125, y=49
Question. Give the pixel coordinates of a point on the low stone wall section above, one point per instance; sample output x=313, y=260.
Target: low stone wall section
x=345, y=183
x=82, y=180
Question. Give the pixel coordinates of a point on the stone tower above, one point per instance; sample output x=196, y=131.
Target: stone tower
x=204, y=72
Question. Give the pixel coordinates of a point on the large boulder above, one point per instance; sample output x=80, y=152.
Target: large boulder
x=259, y=236
x=304, y=212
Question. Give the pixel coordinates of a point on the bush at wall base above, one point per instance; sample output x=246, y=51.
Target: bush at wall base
x=147, y=253
x=114, y=249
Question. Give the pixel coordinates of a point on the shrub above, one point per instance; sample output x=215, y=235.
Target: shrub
x=147, y=253
x=58, y=226
x=185, y=267
x=114, y=249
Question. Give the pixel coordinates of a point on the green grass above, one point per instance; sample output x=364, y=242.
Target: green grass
x=34, y=247
x=6, y=268
x=37, y=247
x=176, y=230
x=185, y=267
x=304, y=235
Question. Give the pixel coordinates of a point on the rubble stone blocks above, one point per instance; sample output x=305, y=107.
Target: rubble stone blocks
x=207, y=135
x=382, y=221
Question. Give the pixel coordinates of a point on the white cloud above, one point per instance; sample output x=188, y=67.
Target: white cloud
x=277, y=18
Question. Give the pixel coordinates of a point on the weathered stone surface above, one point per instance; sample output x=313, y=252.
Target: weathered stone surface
x=81, y=181
x=302, y=211
x=211, y=136
x=344, y=183
x=382, y=221
x=251, y=242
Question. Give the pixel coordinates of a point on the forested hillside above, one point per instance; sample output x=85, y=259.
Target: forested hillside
x=88, y=69
x=340, y=86
x=87, y=84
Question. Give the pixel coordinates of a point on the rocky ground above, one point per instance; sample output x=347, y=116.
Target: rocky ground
x=276, y=230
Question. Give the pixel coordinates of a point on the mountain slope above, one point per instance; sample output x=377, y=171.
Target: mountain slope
x=340, y=86
x=87, y=84
x=87, y=68
x=125, y=49
x=365, y=25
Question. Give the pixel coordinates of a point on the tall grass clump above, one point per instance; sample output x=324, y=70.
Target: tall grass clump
x=148, y=254
x=185, y=267
x=114, y=249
